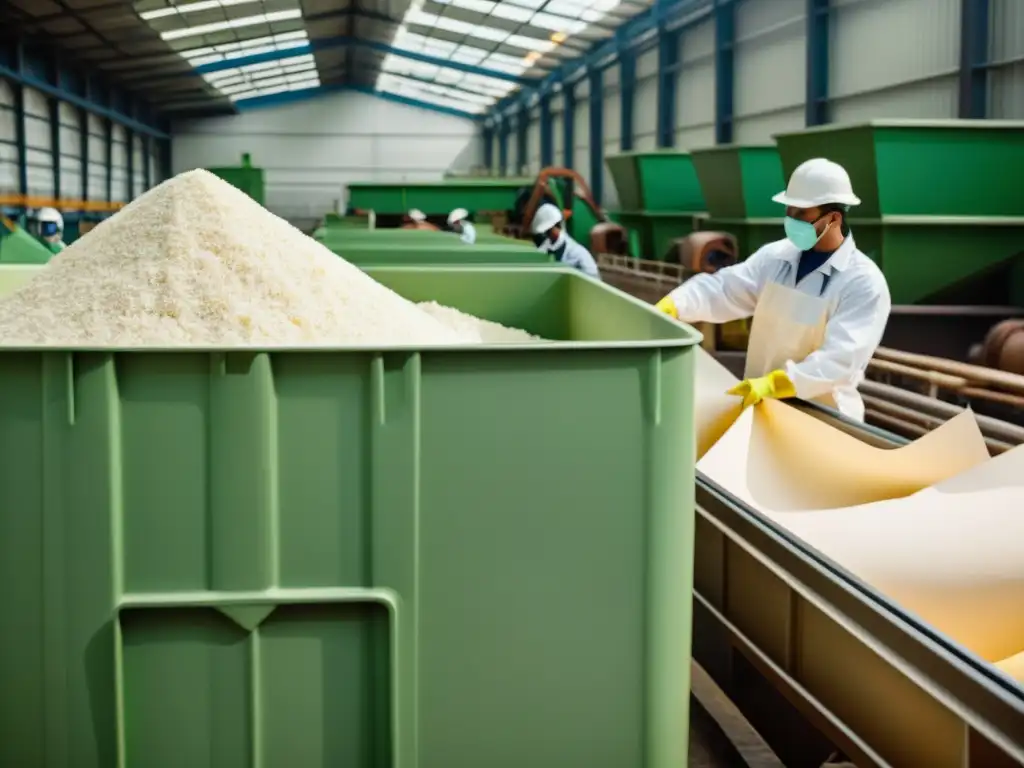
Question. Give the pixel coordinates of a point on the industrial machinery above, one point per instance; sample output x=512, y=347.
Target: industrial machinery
x=585, y=221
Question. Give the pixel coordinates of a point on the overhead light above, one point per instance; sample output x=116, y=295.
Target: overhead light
x=203, y=5
x=220, y=26
x=559, y=37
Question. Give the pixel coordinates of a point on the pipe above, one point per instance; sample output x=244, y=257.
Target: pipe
x=1011, y=381
x=888, y=413
x=1010, y=433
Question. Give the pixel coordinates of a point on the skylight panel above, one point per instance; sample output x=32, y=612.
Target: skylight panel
x=220, y=26
x=183, y=8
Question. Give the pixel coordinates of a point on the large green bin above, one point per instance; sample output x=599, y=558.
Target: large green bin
x=418, y=558
x=939, y=209
x=245, y=177
x=659, y=181
x=19, y=247
x=435, y=198
x=921, y=167
x=739, y=182
x=365, y=254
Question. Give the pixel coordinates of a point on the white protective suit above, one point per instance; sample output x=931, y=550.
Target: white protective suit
x=572, y=254
x=822, y=332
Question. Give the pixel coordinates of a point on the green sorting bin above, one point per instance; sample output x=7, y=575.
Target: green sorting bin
x=429, y=558
x=921, y=167
x=739, y=182
x=411, y=254
x=660, y=181
x=436, y=197
x=245, y=177
x=654, y=231
x=939, y=208
x=19, y=247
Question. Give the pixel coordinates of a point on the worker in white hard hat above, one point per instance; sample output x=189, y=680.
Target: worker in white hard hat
x=418, y=220
x=548, y=228
x=819, y=305
x=458, y=221
x=51, y=229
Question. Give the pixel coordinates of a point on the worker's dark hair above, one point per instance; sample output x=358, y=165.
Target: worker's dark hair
x=839, y=208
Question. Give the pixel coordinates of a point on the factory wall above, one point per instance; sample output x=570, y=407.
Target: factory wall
x=310, y=150
x=738, y=72
x=70, y=142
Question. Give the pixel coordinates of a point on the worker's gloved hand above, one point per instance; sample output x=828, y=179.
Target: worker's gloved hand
x=775, y=385
x=668, y=306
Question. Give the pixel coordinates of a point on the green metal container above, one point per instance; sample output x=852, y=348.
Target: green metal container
x=366, y=254
x=418, y=558
x=923, y=257
x=920, y=167
x=653, y=232
x=659, y=181
x=739, y=182
x=439, y=197
x=19, y=247
x=245, y=177
x=398, y=236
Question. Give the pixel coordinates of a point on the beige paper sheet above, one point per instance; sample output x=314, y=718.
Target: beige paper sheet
x=952, y=554
x=778, y=458
x=1013, y=667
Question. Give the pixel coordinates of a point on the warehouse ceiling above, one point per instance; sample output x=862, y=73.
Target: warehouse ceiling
x=208, y=56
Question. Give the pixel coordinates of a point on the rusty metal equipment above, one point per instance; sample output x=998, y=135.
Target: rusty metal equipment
x=1003, y=347
x=704, y=252
x=609, y=238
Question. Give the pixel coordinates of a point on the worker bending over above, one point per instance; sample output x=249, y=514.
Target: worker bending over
x=819, y=305
x=549, y=235
x=460, y=224
x=51, y=229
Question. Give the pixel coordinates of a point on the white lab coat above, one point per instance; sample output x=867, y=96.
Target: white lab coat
x=468, y=235
x=572, y=254
x=858, y=309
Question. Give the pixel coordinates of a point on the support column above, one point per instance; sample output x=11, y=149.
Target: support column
x=974, y=58
x=668, y=72
x=627, y=98
x=817, y=62
x=725, y=44
x=547, y=148
x=596, y=110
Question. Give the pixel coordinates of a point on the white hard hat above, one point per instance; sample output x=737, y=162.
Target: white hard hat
x=457, y=215
x=417, y=215
x=546, y=217
x=818, y=182
x=51, y=216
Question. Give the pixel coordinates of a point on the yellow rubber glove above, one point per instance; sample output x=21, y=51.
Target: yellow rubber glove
x=668, y=306
x=775, y=385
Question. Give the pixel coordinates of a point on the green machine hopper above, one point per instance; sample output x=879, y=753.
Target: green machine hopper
x=738, y=184
x=941, y=208
x=436, y=197
x=19, y=247
x=659, y=195
x=245, y=177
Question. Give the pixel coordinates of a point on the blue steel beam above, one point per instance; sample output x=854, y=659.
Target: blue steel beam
x=341, y=42
x=20, y=76
x=725, y=83
x=568, y=125
x=503, y=149
x=681, y=14
x=522, y=137
x=547, y=148
x=290, y=97
x=668, y=71
x=596, y=110
x=974, y=58
x=627, y=91
x=817, y=62
x=487, y=136
x=83, y=151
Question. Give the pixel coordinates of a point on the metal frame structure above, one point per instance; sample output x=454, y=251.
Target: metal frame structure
x=661, y=27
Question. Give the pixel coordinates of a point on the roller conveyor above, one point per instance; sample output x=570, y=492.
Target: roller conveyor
x=817, y=660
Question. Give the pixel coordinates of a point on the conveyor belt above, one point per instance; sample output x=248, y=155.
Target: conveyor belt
x=817, y=660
